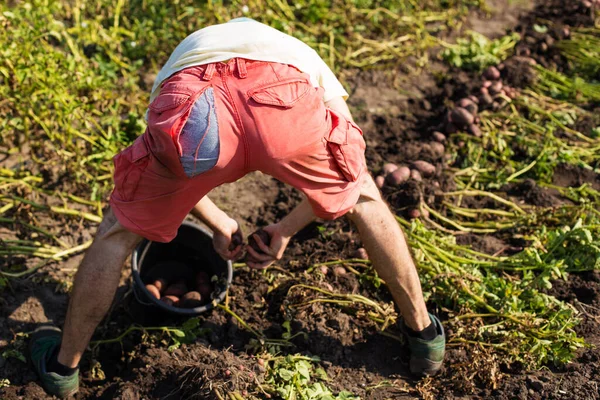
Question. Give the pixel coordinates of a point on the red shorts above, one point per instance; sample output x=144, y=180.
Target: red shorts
x=215, y=123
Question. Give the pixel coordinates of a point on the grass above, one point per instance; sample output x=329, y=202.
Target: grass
x=583, y=50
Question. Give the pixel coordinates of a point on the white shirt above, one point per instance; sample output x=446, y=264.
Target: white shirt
x=246, y=38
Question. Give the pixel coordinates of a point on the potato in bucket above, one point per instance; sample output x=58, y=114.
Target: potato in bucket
x=183, y=277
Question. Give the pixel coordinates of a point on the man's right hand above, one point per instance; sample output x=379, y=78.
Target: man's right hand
x=228, y=240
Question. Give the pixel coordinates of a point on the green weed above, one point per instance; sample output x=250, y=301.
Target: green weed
x=478, y=52
x=295, y=377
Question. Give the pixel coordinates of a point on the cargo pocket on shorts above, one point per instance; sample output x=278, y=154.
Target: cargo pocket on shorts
x=170, y=96
x=283, y=93
x=194, y=130
x=130, y=165
x=347, y=146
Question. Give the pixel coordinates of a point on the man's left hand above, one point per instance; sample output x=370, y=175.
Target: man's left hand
x=229, y=241
x=268, y=254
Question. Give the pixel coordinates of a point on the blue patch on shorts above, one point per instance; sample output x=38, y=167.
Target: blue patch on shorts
x=199, y=138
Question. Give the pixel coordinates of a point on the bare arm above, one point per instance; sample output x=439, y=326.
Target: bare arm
x=280, y=234
x=228, y=238
x=297, y=219
x=215, y=218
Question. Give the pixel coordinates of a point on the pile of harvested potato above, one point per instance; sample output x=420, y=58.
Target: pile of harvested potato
x=394, y=175
x=493, y=94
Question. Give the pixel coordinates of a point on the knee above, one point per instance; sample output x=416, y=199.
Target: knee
x=368, y=209
x=111, y=231
x=109, y=221
x=370, y=198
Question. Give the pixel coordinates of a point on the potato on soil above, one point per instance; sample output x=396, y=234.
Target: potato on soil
x=414, y=213
x=361, y=253
x=438, y=137
x=339, y=271
x=398, y=176
x=153, y=291
x=486, y=100
x=416, y=175
x=491, y=73
x=461, y=117
x=468, y=105
x=496, y=87
x=437, y=149
x=425, y=168
x=474, y=99
x=263, y=235
x=511, y=93
x=417, y=213
x=388, y=168
x=474, y=129
x=190, y=300
x=524, y=59
x=176, y=289
x=380, y=181
x=486, y=84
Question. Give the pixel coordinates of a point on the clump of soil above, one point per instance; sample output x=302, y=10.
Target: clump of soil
x=518, y=72
x=532, y=193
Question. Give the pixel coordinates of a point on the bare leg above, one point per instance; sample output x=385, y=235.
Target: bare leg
x=384, y=241
x=95, y=285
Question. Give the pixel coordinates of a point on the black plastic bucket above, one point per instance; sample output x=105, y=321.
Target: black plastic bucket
x=192, y=246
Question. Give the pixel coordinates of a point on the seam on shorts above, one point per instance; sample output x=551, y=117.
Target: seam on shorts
x=275, y=72
x=238, y=122
x=113, y=204
x=346, y=198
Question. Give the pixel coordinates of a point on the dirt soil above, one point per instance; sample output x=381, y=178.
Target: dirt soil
x=399, y=114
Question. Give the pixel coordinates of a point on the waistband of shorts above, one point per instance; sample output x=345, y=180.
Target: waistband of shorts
x=237, y=65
